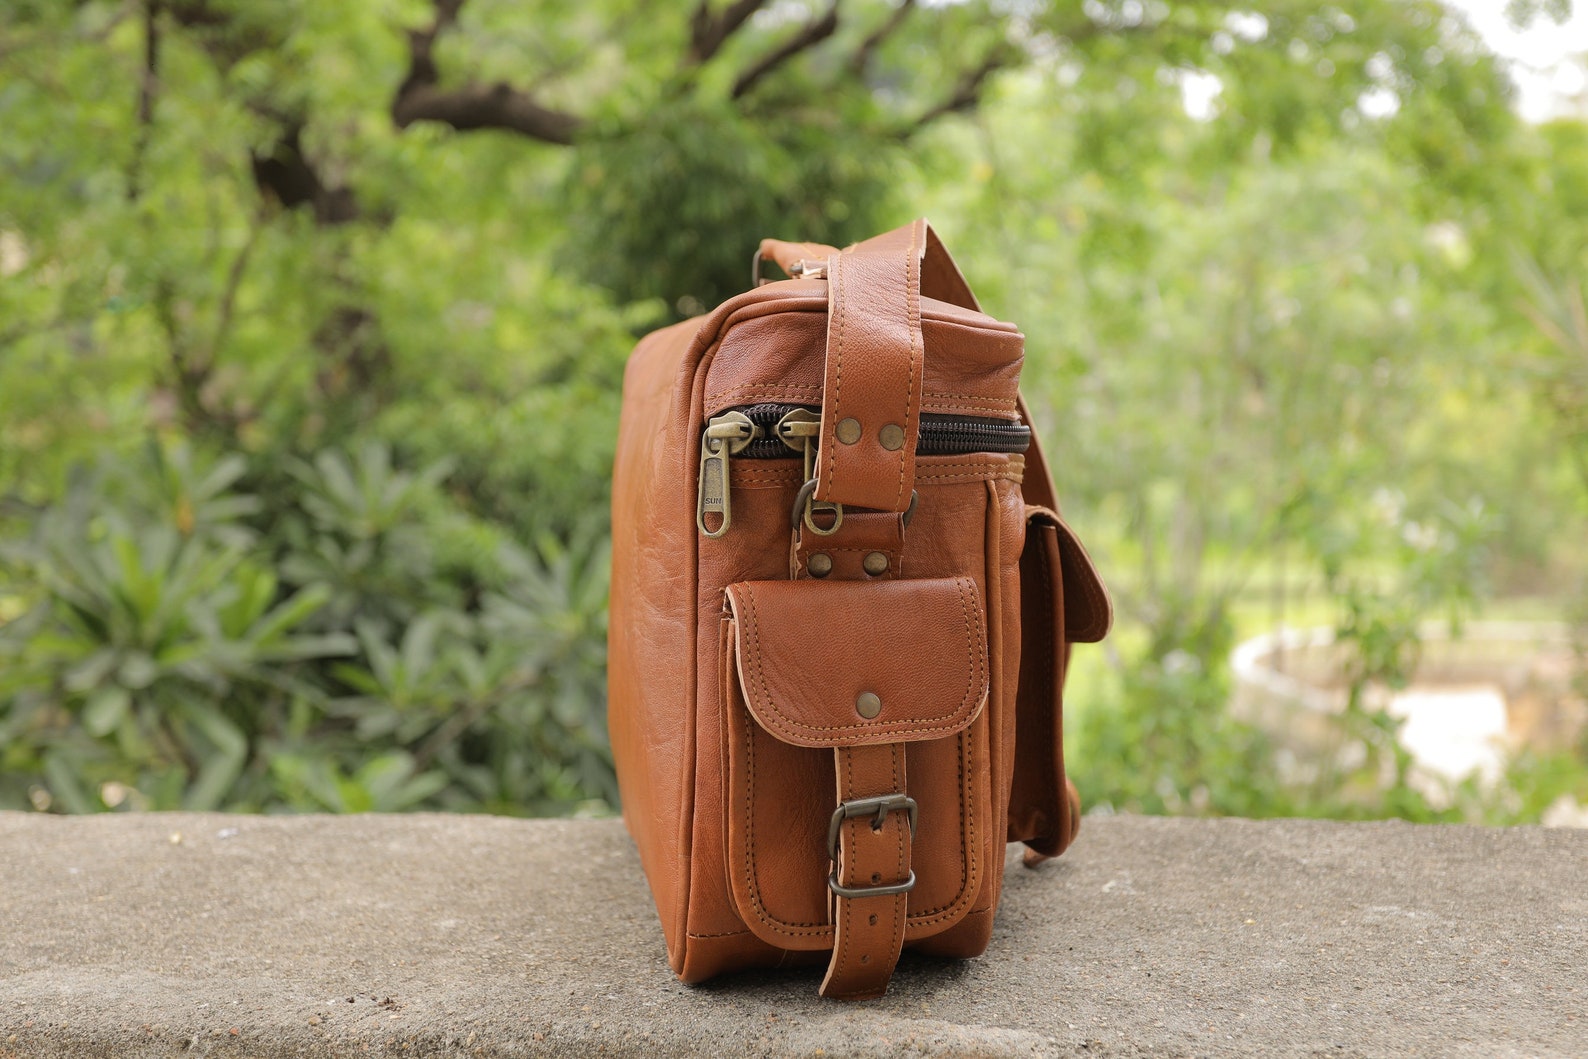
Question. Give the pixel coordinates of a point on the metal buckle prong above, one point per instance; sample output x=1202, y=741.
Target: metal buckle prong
x=878, y=808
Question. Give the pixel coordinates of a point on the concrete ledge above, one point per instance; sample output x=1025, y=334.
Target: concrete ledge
x=202, y=935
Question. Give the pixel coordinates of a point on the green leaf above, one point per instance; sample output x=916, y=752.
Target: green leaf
x=61, y=776
x=294, y=611
x=222, y=765
x=105, y=710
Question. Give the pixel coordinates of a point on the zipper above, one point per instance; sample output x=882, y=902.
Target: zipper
x=726, y=435
x=941, y=435
x=773, y=430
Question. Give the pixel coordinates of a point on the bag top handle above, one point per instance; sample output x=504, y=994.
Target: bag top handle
x=940, y=277
x=878, y=301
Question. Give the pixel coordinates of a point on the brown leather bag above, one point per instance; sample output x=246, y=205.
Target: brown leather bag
x=842, y=604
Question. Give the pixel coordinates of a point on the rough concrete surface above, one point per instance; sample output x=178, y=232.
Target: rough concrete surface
x=205, y=935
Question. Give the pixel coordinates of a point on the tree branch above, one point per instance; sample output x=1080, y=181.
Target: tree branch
x=188, y=379
x=967, y=93
x=500, y=106
x=812, y=34
x=422, y=68
x=708, y=32
x=860, y=61
x=286, y=175
x=148, y=92
x=227, y=311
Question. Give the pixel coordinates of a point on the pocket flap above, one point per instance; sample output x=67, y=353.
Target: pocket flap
x=809, y=651
x=1088, y=614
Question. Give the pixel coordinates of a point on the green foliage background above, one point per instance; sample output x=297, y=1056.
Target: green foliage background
x=308, y=393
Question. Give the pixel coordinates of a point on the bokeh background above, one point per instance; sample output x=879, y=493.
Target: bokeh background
x=313, y=318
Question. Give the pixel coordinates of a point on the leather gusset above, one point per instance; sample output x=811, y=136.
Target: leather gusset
x=1062, y=601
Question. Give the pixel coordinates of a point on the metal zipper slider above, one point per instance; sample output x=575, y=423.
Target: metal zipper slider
x=726, y=435
x=799, y=429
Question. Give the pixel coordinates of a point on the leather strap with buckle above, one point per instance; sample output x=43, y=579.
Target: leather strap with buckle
x=878, y=808
x=871, y=877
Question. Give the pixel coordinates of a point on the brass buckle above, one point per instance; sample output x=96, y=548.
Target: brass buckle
x=798, y=270
x=881, y=806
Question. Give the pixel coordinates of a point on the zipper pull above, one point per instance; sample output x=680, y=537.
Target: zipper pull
x=726, y=435
x=799, y=429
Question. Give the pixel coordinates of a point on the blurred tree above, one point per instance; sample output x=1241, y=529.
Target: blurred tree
x=384, y=261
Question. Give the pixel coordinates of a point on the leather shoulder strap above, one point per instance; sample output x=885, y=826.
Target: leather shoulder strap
x=874, y=373
x=1038, y=485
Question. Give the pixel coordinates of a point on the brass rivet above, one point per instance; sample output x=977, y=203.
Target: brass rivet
x=849, y=430
x=868, y=705
x=820, y=564
x=875, y=563
x=892, y=437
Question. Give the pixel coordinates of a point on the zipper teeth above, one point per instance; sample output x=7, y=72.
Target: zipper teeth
x=955, y=435
x=941, y=435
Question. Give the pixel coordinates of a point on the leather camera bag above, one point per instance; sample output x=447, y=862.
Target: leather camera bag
x=842, y=604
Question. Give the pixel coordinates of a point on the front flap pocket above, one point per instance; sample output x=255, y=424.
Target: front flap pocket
x=810, y=668
x=851, y=663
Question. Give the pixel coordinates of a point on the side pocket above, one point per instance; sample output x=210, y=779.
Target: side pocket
x=798, y=657
x=1062, y=601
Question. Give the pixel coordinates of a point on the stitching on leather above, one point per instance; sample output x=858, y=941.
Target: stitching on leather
x=752, y=882
x=1047, y=697
x=982, y=472
x=967, y=476
x=1088, y=585
x=840, y=292
x=968, y=874
x=972, y=628
x=901, y=912
x=927, y=396
x=930, y=916
x=752, y=389
x=969, y=870
x=770, y=480
x=983, y=465
x=841, y=957
x=849, y=909
x=970, y=863
x=984, y=398
x=787, y=724
x=901, y=902
x=803, y=387
x=925, y=918
x=724, y=934
x=752, y=879
x=912, y=300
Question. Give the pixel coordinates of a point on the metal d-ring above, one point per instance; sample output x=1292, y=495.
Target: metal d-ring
x=804, y=502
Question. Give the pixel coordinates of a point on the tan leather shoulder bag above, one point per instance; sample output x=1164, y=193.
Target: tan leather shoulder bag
x=842, y=604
